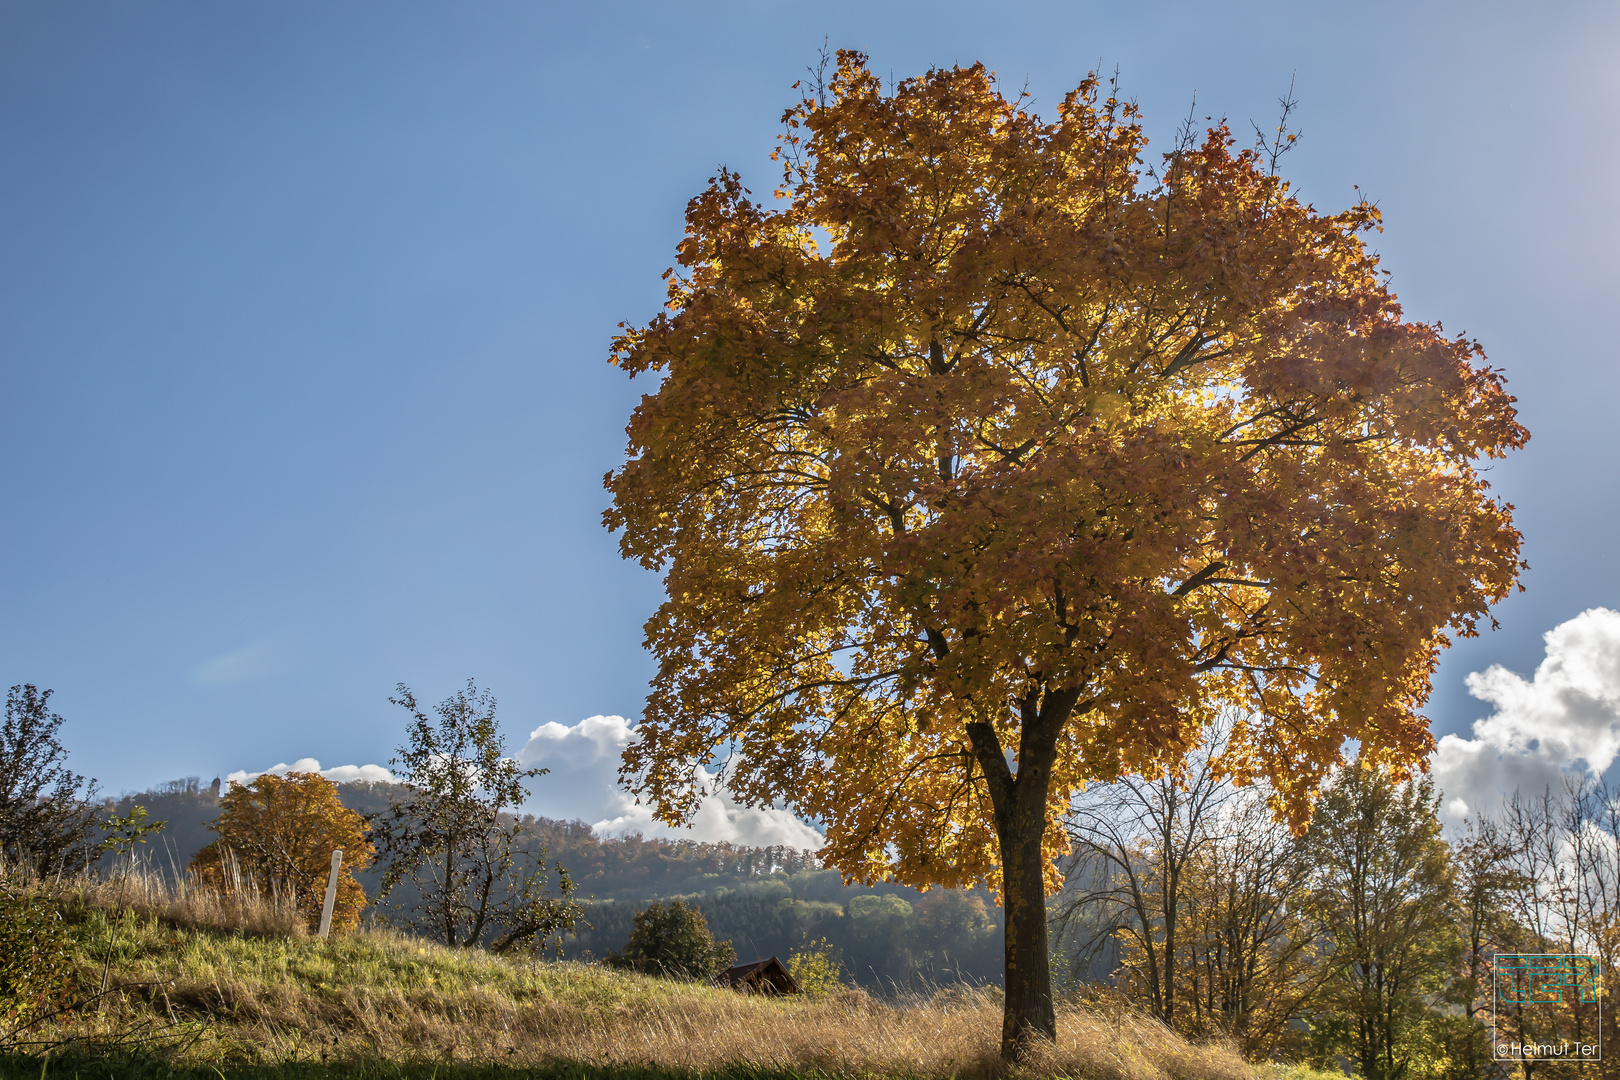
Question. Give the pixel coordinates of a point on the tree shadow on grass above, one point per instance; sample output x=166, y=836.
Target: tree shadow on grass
x=85, y=1063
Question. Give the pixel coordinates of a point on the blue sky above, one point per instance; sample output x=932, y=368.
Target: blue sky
x=304, y=311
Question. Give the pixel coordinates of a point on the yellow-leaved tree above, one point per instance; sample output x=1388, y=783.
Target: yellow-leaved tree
x=985, y=463
x=282, y=830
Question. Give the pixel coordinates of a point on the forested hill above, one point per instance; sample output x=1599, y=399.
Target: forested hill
x=766, y=900
x=636, y=868
x=618, y=868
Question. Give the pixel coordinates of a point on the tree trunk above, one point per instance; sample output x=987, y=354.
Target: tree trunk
x=1028, y=1015
x=1019, y=805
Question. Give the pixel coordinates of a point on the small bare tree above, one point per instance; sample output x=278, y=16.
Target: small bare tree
x=1252, y=964
x=1202, y=892
x=1133, y=841
x=1563, y=846
x=454, y=837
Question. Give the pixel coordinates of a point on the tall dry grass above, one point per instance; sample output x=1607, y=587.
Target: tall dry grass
x=380, y=996
x=719, y=1030
x=137, y=887
x=231, y=976
x=848, y=1036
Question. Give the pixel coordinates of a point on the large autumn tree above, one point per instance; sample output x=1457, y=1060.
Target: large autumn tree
x=985, y=463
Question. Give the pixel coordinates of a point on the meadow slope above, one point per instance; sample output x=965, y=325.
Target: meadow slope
x=186, y=996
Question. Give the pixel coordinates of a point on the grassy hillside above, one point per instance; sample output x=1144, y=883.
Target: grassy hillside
x=187, y=996
x=764, y=900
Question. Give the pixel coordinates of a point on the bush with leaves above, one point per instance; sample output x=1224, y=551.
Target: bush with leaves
x=124, y=834
x=814, y=966
x=36, y=961
x=673, y=939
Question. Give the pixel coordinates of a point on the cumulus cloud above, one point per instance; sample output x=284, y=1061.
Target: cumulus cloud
x=338, y=774
x=583, y=784
x=1566, y=719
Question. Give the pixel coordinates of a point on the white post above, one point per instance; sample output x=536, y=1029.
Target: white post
x=331, y=894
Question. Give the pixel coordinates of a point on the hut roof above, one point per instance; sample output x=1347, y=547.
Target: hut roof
x=768, y=976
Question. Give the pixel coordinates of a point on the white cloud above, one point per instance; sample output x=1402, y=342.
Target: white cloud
x=338, y=774
x=1565, y=719
x=251, y=662
x=583, y=785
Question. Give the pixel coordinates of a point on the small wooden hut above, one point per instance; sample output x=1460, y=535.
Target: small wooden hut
x=761, y=977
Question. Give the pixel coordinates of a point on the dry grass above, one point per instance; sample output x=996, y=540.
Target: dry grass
x=140, y=890
x=248, y=997
x=1303, y=1072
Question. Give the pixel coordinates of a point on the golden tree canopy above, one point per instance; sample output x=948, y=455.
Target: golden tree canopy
x=982, y=455
x=282, y=830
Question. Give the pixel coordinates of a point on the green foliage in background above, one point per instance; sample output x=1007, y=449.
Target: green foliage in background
x=765, y=900
x=814, y=966
x=891, y=940
x=673, y=939
x=1383, y=892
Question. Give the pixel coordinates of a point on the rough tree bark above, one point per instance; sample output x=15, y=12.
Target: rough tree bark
x=1019, y=802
